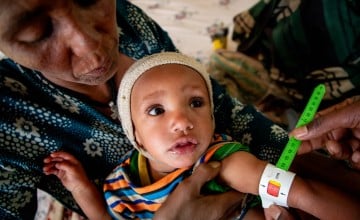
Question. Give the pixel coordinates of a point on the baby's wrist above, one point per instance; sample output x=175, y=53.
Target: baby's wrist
x=274, y=186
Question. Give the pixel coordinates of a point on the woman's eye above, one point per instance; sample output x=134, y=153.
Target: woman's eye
x=156, y=111
x=36, y=32
x=196, y=102
x=86, y=3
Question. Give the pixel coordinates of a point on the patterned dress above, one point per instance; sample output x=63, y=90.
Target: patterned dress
x=38, y=117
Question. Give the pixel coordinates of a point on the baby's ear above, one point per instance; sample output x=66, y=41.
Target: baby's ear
x=213, y=122
x=137, y=138
x=140, y=147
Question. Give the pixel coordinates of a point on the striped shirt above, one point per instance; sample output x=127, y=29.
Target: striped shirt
x=130, y=193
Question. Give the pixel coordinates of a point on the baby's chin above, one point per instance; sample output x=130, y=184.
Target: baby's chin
x=183, y=162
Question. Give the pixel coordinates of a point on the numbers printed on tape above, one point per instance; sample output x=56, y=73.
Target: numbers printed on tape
x=307, y=116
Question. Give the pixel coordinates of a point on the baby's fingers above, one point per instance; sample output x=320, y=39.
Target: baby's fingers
x=50, y=168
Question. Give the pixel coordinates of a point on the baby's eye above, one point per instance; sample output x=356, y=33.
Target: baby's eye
x=156, y=110
x=197, y=102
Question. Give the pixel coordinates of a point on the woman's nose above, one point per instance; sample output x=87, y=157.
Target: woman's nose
x=82, y=37
x=84, y=42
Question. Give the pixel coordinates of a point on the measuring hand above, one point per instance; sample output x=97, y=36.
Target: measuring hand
x=307, y=116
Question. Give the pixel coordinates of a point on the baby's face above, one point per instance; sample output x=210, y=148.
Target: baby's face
x=172, y=117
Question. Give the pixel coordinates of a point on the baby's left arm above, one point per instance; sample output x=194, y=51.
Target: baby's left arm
x=242, y=171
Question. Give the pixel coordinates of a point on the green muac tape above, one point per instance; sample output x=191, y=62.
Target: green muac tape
x=307, y=116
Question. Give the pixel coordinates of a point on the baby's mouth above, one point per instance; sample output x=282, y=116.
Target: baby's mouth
x=184, y=146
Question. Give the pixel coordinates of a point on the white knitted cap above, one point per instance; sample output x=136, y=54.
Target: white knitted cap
x=136, y=70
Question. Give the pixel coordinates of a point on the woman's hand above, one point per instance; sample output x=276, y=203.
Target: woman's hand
x=336, y=128
x=185, y=202
x=275, y=212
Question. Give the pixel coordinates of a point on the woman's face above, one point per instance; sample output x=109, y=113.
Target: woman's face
x=68, y=41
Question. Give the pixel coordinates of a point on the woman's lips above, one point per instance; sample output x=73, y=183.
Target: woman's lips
x=99, y=71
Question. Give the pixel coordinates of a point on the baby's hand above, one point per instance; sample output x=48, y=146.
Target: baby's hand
x=68, y=169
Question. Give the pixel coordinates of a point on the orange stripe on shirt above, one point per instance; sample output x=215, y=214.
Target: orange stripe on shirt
x=160, y=183
x=120, y=184
x=212, y=150
x=136, y=207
